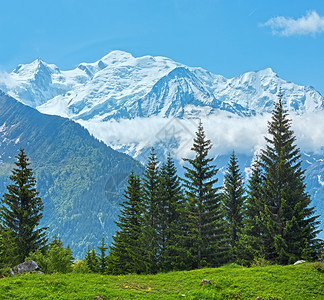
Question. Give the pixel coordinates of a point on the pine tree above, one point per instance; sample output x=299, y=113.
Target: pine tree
x=102, y=256
x=169, y=217
x=233, y=200
x=151, y=203
x=126, y=252
x=92, y=260
x=291, y=226
x=21, y=210
x=205, y=220
x=254, y=207
x=250, y=242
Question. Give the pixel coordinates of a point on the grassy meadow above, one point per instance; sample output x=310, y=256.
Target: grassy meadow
x=305, y=281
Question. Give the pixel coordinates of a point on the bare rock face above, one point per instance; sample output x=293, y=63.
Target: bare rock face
x=27, y=266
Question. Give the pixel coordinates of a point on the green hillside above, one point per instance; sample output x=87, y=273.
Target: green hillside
x=304, y=281
x=79, y=178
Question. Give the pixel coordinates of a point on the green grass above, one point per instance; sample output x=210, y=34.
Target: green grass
x=229, y=282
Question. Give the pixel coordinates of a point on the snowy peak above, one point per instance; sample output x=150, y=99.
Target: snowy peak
x=120, y=85
x=35, y=68
x=117, y=57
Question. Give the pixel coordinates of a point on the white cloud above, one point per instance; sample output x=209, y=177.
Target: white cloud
x=6, y=81
x=244, y=135
x=312, y=23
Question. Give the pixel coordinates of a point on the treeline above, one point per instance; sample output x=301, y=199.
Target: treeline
x=171, y=224
x=168, y=223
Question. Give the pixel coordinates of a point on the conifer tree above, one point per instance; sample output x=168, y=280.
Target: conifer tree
x=204, y=220
x=151, y=203
x=233, y=200
x=102, y=256
x=250, y=243
x=21, y=210
x=291, y=226
x=253, y=222
x=126, y=252
x=92, y=260
x=170, y=209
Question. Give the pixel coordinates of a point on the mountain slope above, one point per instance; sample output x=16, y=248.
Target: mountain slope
x=80, y=179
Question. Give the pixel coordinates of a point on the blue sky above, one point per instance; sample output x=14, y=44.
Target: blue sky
x=226, y=37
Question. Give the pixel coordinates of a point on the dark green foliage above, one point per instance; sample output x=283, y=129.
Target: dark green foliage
x=102, y=256
x=171, y=210
x=21, y=211
x=233, y=201
x=126, y=252
x=205, y=238
x=56, y=260
x=92, y=260
x=254, y=206
x=151, y=208
x=290, y=225
x=250, y=243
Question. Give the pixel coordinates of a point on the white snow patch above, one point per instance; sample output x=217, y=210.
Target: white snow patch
x=320, y=181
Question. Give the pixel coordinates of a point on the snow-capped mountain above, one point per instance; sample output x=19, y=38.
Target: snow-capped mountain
x=133, y=104
x=120, y=86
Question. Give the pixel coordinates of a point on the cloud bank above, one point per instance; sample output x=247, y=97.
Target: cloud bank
x=244, y=135
x=310, y=24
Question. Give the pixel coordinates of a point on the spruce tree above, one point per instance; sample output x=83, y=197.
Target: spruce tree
x=291, y=226
x=102, y=256
x=233, y=200
x=21, y=210
x=205, y=238
x=151, y=203
x=92, y=260
x=126, y=252
x=254, y=206
x=170, y=210
x=250, y=242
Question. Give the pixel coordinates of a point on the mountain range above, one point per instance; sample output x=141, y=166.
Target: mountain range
x=132, y=104
x=122, y=86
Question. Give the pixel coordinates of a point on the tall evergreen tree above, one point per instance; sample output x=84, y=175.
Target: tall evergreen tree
x=126, y=252
x=291, y=226
x=205, y=220
x=233, y=200
x=21, y=210
x=253, y=222
x=102, y=256
x=151, y=207
x=250, y=243
x=169, y=218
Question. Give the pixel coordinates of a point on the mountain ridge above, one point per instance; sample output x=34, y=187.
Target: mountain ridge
x=113, y=86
